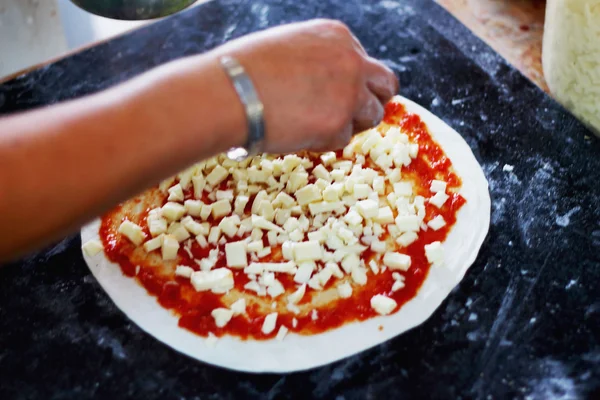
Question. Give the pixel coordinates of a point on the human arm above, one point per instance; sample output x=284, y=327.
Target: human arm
x=64, y=164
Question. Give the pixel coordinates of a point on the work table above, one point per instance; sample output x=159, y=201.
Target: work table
x=524, y=322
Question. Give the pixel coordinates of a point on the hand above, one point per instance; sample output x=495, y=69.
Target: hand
x=317, y=83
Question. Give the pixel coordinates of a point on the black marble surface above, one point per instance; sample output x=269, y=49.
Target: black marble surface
x=524, y=323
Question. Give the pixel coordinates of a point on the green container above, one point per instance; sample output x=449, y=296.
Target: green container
x=133, y=9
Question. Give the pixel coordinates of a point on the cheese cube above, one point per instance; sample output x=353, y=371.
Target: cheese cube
x=217, y=175
x=295, y=297
x=439, y=199
x=92, y=247
x=284, y=200
x=384, y=216
x=296, y=181
x=218, y=280
x=397, y=261
x=328, y=158
x=413, y=150
x=154, y=243
x=214, y=235
x=345, y=290
x=193, y=207
x=338, y=175
x=305, y=270
x=359, y=276
x=437, y=223
x=281, y=333
x=437, y=186
x=173, y=211
x=235, y=254
x=169, y=247
x=287, y=250
x=184, y=271
x=403, y=189
x=269, y=323
x=255, y=246
x=379, y=185
x=321, y=173
x=238, y=307
x=261, y=223
x=176, y=193
x=178, y=231
x=206, y=211
x=265, y=209
x=324, y=207
x=378, y=246
x=221, y=208
x=272, y=238
x=361, y=190
x=435, y=253
x=132, y=231
x=291, y=224
x=368, y=208
x=335, y=269
x=394, y=176
x=264, y=252
x=307, y=251
x=408, y=223
x=222, y=316
x=353, y=218
x=199, y=183
x=230, y=225
x=330, y=194
x=240, y=204
x=350, y=262
x=193, y=227
x=296, y=235
x=397, y=285
x=406, y=239
x=308, y=194
x=382, y=304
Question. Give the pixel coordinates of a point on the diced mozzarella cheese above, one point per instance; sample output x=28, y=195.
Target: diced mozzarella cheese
x=382, y=304
x=345, y=290
x=211, y=340
x=403, y=189
x=193, y=227
x=378, y=246
x=199, y=183
x=176, y=193
x=193, y=207
x=262, y=223
x=406, y=239
x=173, y=211
x=361, y=190
x=287, y=250
x=264, y=252
x=384, y=216
x=214, y=235
x=221, y=208
x=169, y=248
x=335, y=269
x=238, y=307
x=217, y=175
x=408, y=223
x=205, y=211
x=132, y=231
x=281, y=333
x=397, y=261
x=154, y=243
x=308, y=194
x=304, y=272
x=218, y=280
x=328, y=158
x=435, y=253
x=178, y=231
x=240, y=204
x=269, y=323
x=235, y=254
x=201, y=240
x=222, y=316
x=350, y=262
x=397, y=285
x=437, y=223
x=438, y=199
x=437, y=186
x=368, y=208
x=255, y=246
x=359, y=276
x=92, y=247
x=295, y=297
x=184, y=271
x=324, y=207
x=307, y=251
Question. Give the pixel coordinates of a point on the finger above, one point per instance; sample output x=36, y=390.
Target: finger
x=369, y=112
x=358, y=45
x=381, y=80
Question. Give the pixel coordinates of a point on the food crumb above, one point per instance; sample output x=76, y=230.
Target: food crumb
x=380, y=327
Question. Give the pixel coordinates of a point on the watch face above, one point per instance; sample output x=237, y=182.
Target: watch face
x=237, y=154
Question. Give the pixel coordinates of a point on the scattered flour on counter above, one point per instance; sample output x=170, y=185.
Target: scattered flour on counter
x=565, y=220
x=508, y=168
x=571, y=283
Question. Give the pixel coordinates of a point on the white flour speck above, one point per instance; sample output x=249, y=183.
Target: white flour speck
x=565, y=220
x=508, y=168
x=435, y=102
x=473, y=317
x=571, y=283
x=532, y=320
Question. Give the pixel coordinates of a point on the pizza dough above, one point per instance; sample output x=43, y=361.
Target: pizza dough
x=299, y=352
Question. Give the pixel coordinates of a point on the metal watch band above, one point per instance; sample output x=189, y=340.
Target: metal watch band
x=253, y=106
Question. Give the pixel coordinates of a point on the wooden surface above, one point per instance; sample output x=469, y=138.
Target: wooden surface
x=513, y=28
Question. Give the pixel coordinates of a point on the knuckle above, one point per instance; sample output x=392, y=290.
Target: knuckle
x=334, y=25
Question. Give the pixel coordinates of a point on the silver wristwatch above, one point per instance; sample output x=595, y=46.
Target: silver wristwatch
x=252, y=105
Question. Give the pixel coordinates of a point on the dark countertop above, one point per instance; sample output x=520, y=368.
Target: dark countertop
x=524, y=323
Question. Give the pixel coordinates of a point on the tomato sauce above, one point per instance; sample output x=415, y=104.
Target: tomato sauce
x=194, y=308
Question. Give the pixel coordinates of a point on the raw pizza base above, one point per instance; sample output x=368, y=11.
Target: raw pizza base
x=299, y=352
